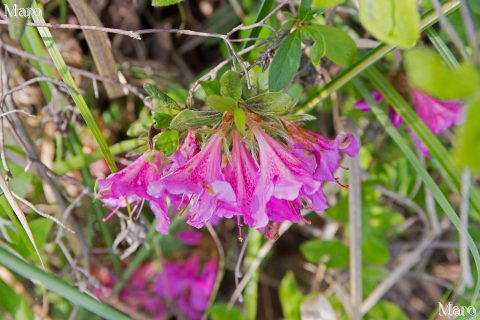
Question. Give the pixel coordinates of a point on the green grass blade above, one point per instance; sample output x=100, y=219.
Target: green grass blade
x=427, y=179
x=74, y=92
x=442, y=48
x=435, y=147
x=262, y=13
x=366, y=61
x=20, y=216
x=51, y=282
x=32, y=43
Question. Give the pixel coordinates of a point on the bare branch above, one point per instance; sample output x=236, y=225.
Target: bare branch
x=131, y=34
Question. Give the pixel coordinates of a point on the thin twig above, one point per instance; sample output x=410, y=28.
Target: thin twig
x=406, y=201
x=262, y=253
x=221, y=267
x=238, y=265
x=467, y=278
x=131, y=34
x=41, y=213
x=88, y=74
x=396, y=274
x=57, y=82
x=4, y=114
x=355, y=245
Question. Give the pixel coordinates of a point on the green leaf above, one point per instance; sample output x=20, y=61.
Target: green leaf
x=14, y=303
x=367, y=60
x=270, y=102
x=231, y=85
x=161, y=102
x=319, y=49
x=137, y=129
x=40, y=229
x=339, y=47
x=386, y=310
x=16, y=23
x=210, y=87
x=262, y=12
x=396, y=22
x=194, y=119
x=333, y=253
x=162, y=120
x=290, y=297
x=239, y=119
x=371, y=277
x=467, y=151
x=375, y=249
x=20, y=215
x=326, y=3
x=221, y=104
x=221, y=311
x=164, y=3
x=285, y=62
x=253, y=91
x=428, y=71
x=167, y=142
x=51, y=282
x=21, y=183
x=474, y=5
x=304, y=8
x=300, y=117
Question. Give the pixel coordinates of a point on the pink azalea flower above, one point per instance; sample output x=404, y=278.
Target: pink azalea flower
x=378, y=97
x=279, y=210
x=201, y=181
x=242, y=174
x=185, y=285
x=282, y=177
x=139, y=292
x=188, y=149
x=419, y=143
x=395, y=118
x=130, y=184
x=321, y=155
x=190, y=237
x=363, y=104
x=438, y=115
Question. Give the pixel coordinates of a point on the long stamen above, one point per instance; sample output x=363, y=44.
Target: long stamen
x=240, y=225
x=341, y=184
x=111, y=214
x=139, y=210
x=306, y=220
x=134, y=209
x=186, y=205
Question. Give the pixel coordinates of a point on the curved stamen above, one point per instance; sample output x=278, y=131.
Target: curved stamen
x=111, y=214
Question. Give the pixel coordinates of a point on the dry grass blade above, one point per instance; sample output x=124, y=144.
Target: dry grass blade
x=99, y=47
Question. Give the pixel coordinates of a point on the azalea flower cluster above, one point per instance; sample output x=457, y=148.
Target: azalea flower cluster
x=266, y=174
x=438, y=115
x=158, y=291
